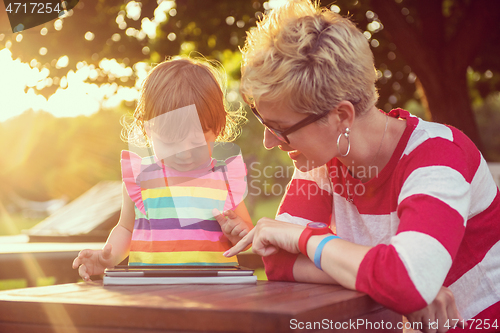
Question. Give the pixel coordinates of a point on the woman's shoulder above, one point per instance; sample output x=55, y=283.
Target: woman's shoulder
x=438, y=138
x=438, y=146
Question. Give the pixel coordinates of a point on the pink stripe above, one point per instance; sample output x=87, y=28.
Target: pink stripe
x=382, y=275
x=176, y=234
x=158, y=174
x=435, y=218
x=306, y=193
x=476, y=242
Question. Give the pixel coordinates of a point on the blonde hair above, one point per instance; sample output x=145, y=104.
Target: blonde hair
x=179, y=82
x=312, y=57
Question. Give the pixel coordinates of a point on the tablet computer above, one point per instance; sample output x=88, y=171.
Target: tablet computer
x=177, y=271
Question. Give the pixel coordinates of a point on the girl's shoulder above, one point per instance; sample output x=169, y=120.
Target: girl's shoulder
x=127, y=155
x=131, y=169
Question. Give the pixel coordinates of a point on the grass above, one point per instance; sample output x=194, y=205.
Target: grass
x=261, y=274
x=13, y=284
x=266, y=208
x=23, y=283
x=13, y=224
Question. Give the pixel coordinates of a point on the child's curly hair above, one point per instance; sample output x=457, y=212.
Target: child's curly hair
x=179, y=82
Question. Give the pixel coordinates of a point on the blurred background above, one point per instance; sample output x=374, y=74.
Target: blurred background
x=65, y=85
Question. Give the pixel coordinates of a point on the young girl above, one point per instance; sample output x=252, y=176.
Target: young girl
x=170, y=197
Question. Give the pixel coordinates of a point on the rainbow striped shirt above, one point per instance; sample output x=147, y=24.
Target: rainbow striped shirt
x=174, y=224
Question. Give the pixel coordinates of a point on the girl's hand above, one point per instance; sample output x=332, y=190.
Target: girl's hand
x=233, y=227
x=93, y=262
x=268, y=237
x=442, y=311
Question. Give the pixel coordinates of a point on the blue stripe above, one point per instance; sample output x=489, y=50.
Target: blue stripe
x=167, y=224
x=182, y=202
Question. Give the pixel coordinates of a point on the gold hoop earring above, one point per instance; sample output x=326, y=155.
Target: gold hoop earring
x=346, y=135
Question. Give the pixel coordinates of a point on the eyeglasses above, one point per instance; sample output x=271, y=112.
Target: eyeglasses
x=283, y=135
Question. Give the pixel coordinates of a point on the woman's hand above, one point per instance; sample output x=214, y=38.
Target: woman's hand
x=93, y=262
x=268, y=237
x=442, y=311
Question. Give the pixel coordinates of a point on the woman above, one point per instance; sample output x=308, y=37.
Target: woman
x=413, y=202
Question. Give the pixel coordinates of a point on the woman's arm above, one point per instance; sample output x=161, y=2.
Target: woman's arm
x=308, y=198
x=340, y=262
x=305, y=271
x=340, y=259
x=270, y=235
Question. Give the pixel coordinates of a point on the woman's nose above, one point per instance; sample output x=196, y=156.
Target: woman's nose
x=270, y=140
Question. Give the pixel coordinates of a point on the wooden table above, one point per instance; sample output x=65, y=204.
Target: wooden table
x=264, y=307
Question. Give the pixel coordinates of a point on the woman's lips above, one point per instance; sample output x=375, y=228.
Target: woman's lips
x=294, y=154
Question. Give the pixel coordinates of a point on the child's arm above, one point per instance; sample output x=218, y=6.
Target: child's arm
x=234, y=224
x=93, y=262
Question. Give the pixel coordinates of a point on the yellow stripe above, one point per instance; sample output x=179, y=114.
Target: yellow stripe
x=180, y=191
x=179, y=257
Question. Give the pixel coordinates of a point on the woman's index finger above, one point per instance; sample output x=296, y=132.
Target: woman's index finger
x=241, y=245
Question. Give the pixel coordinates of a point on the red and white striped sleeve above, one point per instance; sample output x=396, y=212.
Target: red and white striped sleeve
x=434, y=179
x=308, y=199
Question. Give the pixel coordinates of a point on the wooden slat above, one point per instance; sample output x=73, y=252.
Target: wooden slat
x=22, y=328
x=265, y=307
x=93, y=214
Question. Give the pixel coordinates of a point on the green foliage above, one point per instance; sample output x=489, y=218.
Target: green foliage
x=92, y=33
x=265, y=208
x=44, y=157
x=488, y=118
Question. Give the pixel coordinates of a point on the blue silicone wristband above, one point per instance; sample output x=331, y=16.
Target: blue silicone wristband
x=319, y=250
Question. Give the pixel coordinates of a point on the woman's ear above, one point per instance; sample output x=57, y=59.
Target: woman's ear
x=346, y=114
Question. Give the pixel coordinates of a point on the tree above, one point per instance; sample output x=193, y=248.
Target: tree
x=115, y=29
x=434, y=42
x=440, y=40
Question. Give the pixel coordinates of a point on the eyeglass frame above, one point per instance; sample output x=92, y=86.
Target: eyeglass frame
x=283, y=135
